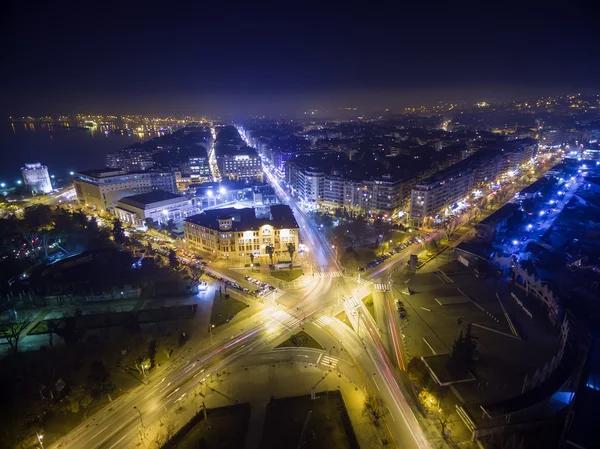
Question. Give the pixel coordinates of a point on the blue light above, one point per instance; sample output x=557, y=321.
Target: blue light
x=515, y=242
x=529, y=226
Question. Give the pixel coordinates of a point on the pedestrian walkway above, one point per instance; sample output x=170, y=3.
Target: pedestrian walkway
x=383, y=287
x=363, y=282
x=328, y=274
x=322, y=321
x=328, y=362
x=290, y=322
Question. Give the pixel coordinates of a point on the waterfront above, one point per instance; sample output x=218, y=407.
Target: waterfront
x=62, y=148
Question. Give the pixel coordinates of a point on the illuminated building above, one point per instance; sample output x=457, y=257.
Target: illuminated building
x=102, y=189
x=428, y=197
x=238, y=233
x=36, y=178
x=159, y=206
x=243, y=164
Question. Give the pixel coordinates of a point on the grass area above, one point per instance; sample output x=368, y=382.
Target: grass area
x=368, y=301
x=224, y=309
x=226, y=429
x=287, y=275
x=329, y=426
x=301, y=340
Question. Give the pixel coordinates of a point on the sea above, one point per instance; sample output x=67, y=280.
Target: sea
x=63, y=148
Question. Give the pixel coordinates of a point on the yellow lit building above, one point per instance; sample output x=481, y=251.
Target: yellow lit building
x=237, y=233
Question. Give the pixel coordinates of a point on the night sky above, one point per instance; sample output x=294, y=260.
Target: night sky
x=164, y=58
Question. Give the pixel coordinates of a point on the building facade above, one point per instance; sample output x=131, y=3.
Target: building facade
x=159, y=206
x=237, y=233
x=430, y=196
x=130, y=160
x=241, y=165
x=102, y=189
x=36, y=178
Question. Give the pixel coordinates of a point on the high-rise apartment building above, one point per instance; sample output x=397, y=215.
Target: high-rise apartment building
x=431, y=195
x=102, y=189
x=130, y=160
x=36, y=178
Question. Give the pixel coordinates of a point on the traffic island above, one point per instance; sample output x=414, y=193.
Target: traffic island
x=300, y=421
x=301, y=340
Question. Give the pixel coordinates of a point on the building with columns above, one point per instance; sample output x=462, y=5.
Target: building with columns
x=237, y=233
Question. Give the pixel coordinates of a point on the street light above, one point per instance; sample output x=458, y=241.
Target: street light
x=3, y=184
x=210, y=332
x=138, y=410
x=19, y=182
x=40, y=437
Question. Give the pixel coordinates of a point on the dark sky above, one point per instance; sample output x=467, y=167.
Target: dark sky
x=175, y=58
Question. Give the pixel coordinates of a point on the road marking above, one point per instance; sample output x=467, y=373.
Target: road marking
x=430, y=347
x=375, y=382
x=391, y=414
x=191, y=367
x=319, y=359
x=174, y=391
x=198, y=373
x=122, y=438
x=180, y=397
x=168, y=385
x=163, y=379
x=425, y=308
x=91, y=438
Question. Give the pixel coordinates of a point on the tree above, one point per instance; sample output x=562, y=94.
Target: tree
x=12, y=330
x=269, y=249
x=150, y=223
x=173, y=261
x=374, y=409
x=418, y=372
x=78, y=398
x=291, y=249
x=170, y=225
x=252, y=259
x=99, y=379
x=117, y=231
x=464, y=351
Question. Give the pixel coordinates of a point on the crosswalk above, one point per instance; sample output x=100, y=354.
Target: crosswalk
x=327, y=274
x=351, y=303
x=322, y=321
x=383, y=287
x=273, y=295
x=329, y=362
x=285, y=319
x=362, y=282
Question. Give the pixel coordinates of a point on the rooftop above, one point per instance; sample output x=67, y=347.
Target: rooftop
x=144, y=199
x=281, y=216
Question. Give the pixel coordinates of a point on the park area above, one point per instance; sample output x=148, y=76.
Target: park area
x=224, y=309
x=321, y=423
x=286, y=274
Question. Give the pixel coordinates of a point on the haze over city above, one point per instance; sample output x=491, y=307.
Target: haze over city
x=300, y=226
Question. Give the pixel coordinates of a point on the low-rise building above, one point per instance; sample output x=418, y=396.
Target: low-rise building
x=101, y=189
x=159, y=206
x=237, y=233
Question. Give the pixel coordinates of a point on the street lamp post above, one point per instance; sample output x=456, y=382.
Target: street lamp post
x=40, y=437
x=210, y=332
x=141, y=420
